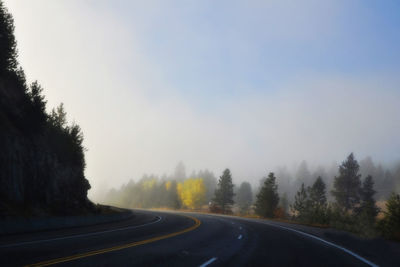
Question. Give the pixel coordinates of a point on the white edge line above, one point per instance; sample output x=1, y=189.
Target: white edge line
x=208, y=262
x=80, y=235
x=240, y=237
x=311, y=236
x=329, y=243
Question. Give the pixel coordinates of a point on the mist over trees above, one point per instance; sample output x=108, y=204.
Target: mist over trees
x=288, y=179
x=244, y=197
x=174, y=191
x=343, y=197
x=350, y=204
x=353, y=207
x=386, y=177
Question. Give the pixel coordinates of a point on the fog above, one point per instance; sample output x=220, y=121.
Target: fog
x=152, y=85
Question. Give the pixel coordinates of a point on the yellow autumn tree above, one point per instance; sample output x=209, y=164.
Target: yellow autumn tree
x=192, y=192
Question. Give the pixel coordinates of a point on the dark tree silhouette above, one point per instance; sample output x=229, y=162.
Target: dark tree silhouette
x=367, y=209
x=48, y=153
x=317, y=193
x=347, y=184
x=58, y=117
x=8, y=44
x=224, y=192
x=317, y=202
x=268, y=197
x=390, y=225
x=300, y=205
x=37, y=115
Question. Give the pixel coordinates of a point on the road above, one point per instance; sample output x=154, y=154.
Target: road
x=154, y=238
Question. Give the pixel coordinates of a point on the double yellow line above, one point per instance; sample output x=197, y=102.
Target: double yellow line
x=129, y=245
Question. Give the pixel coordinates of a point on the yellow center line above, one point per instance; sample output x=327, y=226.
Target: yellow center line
x=129, y=245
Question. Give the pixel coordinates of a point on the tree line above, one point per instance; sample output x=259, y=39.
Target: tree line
x=175, y=191
x=42, y=157
x=353, y=206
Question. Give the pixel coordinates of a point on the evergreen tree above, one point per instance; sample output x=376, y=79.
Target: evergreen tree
x=38, y=115
x=317, y=202
x=347, y=184
x=390, y=225
x=301, y=203
x=368, y=209
x=8, y=44
x=244, y=197
x=55, y=181
x=58, y=117
x=268, y=197
x=317, y=193
x=224, y=192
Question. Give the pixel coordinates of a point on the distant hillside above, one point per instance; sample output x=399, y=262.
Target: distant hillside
x=41, y=157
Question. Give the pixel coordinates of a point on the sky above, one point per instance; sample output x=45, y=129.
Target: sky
x=245, y=85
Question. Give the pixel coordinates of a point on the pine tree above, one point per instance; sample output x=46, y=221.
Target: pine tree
x=267, y=198
x=347, y=184
x=244, y=197
x=58, y=117
x=390, y=225
x=368, y=209
x=317, y=202
x=8, y=44
x=301, y=203
x=224, y=192
x=37, y=114
x=318, y=193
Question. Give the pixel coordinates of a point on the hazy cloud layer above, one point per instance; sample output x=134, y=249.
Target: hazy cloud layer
x=245, y=85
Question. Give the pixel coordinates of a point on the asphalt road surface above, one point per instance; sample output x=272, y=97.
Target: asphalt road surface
x=154, y=238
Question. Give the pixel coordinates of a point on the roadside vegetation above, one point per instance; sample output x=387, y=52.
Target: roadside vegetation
x=350, y=203
x=42, y=159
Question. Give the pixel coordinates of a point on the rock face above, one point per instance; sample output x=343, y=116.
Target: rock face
x=41, y=158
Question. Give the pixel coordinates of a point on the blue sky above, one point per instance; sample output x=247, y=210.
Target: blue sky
x=237, y=46
x=249, y=85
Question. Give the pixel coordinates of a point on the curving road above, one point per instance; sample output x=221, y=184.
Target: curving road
x=154, y=238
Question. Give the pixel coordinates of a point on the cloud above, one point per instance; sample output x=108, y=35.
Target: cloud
x=214, y=85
